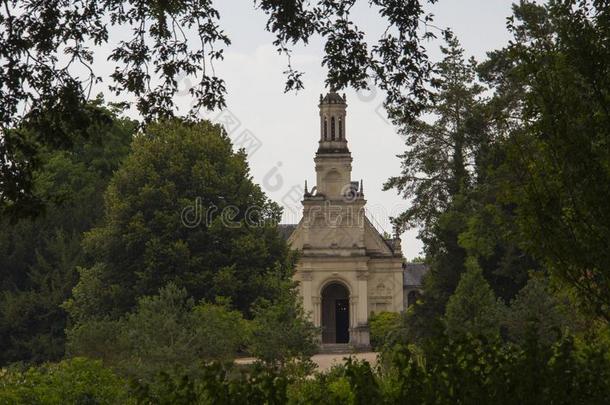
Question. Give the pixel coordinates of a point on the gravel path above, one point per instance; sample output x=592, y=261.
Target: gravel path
x=325, y=361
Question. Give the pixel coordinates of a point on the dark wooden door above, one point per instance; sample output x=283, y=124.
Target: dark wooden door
x=342, y=321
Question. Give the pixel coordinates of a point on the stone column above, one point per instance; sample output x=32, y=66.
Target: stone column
x=307, y=295
x=398, y=292
x=316, y=316
x=362, y=309
x=353, y=303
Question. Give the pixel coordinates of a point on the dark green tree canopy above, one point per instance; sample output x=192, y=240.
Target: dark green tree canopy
x=163, y=332
x=39, y=256
x=227, y=245
x=441, y=147
x=473, y=308
x=551, y=112
x=438, y=172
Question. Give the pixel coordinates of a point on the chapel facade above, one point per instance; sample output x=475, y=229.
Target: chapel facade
x=347, y=270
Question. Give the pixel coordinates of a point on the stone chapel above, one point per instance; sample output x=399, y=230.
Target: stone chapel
x=347, y=270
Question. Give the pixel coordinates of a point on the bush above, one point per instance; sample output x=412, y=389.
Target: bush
x=214, y=385
x=446, y=371
x=470, y=370
x=165, y=331
x=382, y=327
x=280, y=331
x=168, y=331
x=536, y=309
x=74, y=381
x=351, y=383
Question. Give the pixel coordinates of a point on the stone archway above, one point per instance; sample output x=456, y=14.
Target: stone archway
x=335, y=313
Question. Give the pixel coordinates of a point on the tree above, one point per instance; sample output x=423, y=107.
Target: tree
x=280, y=330
x=438, y=174
x=182, y=208
x=436, y=166
x=551, y=104
x=47, y=46
x=450, y=170
x=166, y=331
x=490, y=236
x=39, y=256
x=537, y=310
x=473, y=308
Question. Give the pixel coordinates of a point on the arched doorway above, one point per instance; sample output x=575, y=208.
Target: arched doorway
x=335, y=314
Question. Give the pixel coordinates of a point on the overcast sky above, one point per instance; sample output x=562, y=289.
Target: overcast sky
x=285, y=126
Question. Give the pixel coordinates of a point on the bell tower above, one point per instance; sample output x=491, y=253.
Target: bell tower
x=346, y=268
x=332, y=123
x=333, y=211
x=333, y=159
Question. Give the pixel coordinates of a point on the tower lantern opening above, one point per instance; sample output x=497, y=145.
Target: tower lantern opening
x=332, y=123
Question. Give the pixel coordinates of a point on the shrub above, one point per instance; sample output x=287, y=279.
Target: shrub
x=470, y=370
x=382, y=326
x=165, y=331
x=214, y=385
x=280, y=331
x=74, y=381
x=351, y=383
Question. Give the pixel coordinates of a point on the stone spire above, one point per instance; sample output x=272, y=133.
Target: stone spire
x=332, y=123
x=333, y=159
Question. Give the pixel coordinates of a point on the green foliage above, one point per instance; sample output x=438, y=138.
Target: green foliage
x=465, y=370
x=448, y=170
x=38, y=257
x=182, y=208
x=351, y=383
x=472, y=371
x=537, y=310
x=74, y=381
x=222, y=331
x=382, y=326
x=171, y=41
x=551, y=119
x=435, y=165
x=490, y=237
x=280, y=330
x=215, y=386
x=165, y=331
x=439, y=174
x=473, y=308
